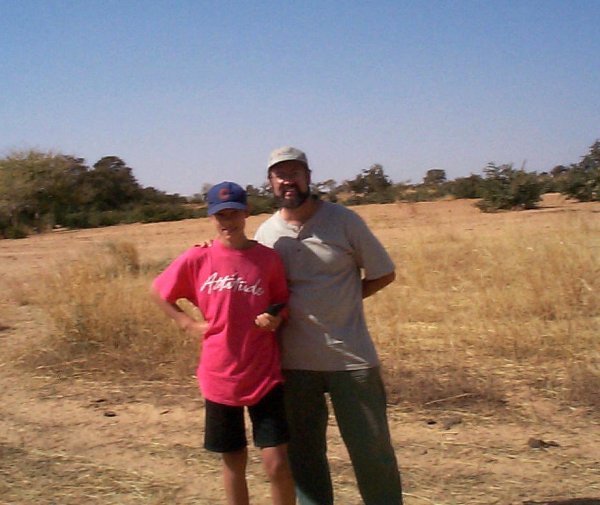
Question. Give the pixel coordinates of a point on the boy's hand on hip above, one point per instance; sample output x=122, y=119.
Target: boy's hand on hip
x=195, y=328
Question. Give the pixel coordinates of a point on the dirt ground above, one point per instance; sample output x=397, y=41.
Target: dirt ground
x=75, y=440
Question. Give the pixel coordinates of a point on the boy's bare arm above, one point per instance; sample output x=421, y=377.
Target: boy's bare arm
x=183, y=320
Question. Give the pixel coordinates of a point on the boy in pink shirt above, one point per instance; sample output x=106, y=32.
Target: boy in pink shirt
x=238, y=285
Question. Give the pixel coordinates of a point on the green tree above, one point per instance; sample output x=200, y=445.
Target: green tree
x=252, y=191
x=466, y=187
x=260, y=201
x=114, y=185
x=153, y=195
x=505, y=188
x=327, y=189
x=559, y=171
x=371, y=180
x=582, y=180
x=38, y=189
x=434, y=177
x=372, y=185
x=434, y=186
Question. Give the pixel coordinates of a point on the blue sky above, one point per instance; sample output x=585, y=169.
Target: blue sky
x=194, y=92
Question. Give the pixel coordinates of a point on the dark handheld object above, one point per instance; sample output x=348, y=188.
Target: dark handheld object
x=275, y=309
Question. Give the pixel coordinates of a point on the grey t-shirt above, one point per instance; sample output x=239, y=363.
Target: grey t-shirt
x=323, y=259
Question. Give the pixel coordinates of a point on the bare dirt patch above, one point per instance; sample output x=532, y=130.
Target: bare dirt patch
x=72, y=438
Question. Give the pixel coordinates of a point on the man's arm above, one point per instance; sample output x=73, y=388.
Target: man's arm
x=371, y=286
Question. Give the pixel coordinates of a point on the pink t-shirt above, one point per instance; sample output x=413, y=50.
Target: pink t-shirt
x=240, y=362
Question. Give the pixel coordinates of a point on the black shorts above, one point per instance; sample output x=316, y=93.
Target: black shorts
x=225, y=430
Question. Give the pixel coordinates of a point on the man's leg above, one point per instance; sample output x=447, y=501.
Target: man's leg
x=307, y=419
x=359, y=402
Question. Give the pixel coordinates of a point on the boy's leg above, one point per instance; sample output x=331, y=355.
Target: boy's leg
x=225, y=433
x=359, y=402
x=277, y=468
x=271, y=434
x=307, y=417
x=234, y=477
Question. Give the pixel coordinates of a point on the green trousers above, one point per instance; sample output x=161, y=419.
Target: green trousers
x=359, y=404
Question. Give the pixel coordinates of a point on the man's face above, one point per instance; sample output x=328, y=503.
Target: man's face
x=290, y=181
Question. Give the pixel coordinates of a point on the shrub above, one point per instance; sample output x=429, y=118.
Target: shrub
x=505, y=188
x=14, y=232
x=155, y=213
x=150, y=213
x=259, y=204
x=419, y=193
x=582, y=181
x=466, y=187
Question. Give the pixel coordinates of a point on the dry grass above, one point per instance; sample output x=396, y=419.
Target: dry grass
x=104, y=320
x=88, y=483
x=476, y=310
x=481, y=303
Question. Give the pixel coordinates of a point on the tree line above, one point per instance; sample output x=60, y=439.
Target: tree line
x=499, y=187
x=40, y=191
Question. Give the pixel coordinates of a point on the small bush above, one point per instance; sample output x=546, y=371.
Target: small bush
x=582, y=181
x=386, y=195
x=261, y=204
x=419, y=193
x=505, y=188
x=150, y=213
x=15, y=232
x=583, y=185
x=163, y=212
x=466, y=187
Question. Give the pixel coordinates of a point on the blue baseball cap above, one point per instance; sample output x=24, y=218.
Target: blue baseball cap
x=226, y=195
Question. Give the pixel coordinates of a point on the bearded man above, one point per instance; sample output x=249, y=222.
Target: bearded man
x=332, y=262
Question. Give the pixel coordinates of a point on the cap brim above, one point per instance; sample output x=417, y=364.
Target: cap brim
x=226, y=205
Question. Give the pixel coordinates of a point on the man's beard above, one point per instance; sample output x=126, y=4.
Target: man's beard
x=292, y=203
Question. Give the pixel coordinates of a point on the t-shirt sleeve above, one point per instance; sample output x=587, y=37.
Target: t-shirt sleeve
x=259, y=235
x=263, y=235
x=369, y=253
x=177, y=280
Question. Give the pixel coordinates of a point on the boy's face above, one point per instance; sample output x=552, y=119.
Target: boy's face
x=230, y=223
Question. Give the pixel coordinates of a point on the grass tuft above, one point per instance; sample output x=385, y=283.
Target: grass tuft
x=105, y=320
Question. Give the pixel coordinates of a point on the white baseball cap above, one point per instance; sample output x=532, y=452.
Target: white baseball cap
x=286, y=153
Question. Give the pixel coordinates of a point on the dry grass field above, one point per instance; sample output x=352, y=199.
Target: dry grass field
x=489, y=338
